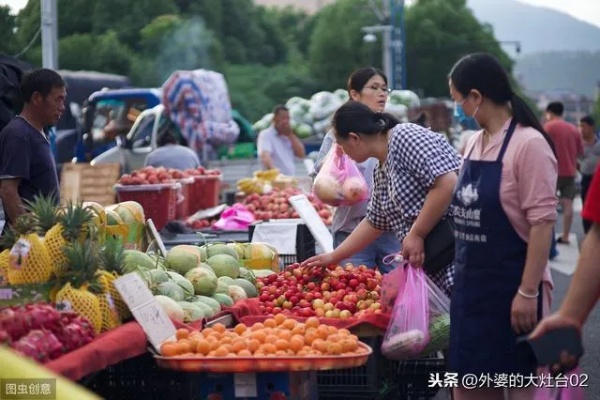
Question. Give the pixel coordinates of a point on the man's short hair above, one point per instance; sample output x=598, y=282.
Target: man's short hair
x=556, y=108
x=588, y=120
x=279, y=108
x=167, y=137
x=41, y=80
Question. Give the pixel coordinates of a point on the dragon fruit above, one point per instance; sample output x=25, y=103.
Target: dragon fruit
x=75, y=331
x=5, y=337
x=17, y=321
x=40, y=345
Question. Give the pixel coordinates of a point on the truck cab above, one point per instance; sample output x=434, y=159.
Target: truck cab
x=108, y=116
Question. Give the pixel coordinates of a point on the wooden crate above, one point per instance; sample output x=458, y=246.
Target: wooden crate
x=86, y=182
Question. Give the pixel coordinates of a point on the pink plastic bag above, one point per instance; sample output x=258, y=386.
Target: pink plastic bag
x=339, y=182
x=573, y=390
x=392, y=283
x=408, y=331
x=236, y=217
x=420, y=320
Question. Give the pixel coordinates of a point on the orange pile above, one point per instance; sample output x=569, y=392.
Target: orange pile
x=276, y=337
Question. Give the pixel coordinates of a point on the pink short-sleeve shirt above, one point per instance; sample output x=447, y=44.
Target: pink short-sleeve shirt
x=529, y=175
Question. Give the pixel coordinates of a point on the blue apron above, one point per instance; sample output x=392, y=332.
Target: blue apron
x=489, y=261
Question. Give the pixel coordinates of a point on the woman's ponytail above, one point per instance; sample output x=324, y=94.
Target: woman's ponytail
x=524, y=116
x=385, y=121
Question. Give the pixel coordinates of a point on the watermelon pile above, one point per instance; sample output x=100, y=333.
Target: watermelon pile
x=313, y=116
x=192, y=282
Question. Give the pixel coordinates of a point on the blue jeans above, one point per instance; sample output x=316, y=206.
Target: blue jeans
x=373, y=255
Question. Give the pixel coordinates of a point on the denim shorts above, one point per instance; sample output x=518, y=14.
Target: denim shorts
x=373, y=255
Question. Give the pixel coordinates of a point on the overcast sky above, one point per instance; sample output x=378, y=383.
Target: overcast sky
x=587, y=10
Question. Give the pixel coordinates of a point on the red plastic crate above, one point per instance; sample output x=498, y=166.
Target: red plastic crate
x=205, y=192
x=159, y=201
x=184, y=205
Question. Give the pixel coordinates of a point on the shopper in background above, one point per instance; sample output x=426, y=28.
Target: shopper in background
x=170, y=154
x=568, y=146
x=504, y=209
x=27, y=167
x=589, y=160
x=370, y=87
x=413, y=184
x=278, y=146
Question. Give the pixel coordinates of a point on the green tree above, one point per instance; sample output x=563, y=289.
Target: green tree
x=8, y=23
x=438, y=33
x=167, y=47
x=337, y=47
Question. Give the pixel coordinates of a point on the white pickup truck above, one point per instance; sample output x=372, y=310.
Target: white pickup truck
x=141, y=140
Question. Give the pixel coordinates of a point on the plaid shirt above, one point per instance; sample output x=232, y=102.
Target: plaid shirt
x=416, y=158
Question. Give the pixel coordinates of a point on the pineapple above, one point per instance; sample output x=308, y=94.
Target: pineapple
x=74, y=225
x=7, y=241
x=29, y=261
x=45, y=213
x=79, y=291
x=111, y=261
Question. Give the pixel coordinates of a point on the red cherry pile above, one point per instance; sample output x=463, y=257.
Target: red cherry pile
x=335, y=292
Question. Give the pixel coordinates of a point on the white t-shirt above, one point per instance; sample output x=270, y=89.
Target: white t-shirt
x=280, y=148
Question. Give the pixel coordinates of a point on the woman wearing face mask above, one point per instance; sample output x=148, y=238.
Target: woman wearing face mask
x=413, y=183
x=368, y=86
x=504, y=208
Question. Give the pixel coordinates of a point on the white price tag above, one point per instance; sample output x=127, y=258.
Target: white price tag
x=145, y=309
x=244, y=385
x=315, y=224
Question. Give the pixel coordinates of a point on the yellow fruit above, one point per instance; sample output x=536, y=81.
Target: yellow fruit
x=4, y=261
x=32, y=266
x=82, y=302
x=107, y=278
x=55, y=244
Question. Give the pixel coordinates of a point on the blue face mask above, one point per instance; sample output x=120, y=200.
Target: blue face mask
x=459, y=114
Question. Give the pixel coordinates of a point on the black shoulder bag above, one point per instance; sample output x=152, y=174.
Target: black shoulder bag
x=439, y=246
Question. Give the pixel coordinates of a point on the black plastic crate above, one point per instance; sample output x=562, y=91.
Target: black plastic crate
x=366, y=382
x=140, y=377
x=380, y=378
x=414, y=377
x=305, y=245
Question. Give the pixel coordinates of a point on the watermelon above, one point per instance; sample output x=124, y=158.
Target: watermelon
x=208, y=301
x=226, y=280
x=134, y=259
x=188, y=288
x=223, y=299
x=158, y=275
x=222, y=287
x=171, y=290
x=206, y=309
x=203, y=281
x=224, y=265
x=191, y=311
x=237, y=293
x=248, y=287
x=182, y=258
x=219, y=248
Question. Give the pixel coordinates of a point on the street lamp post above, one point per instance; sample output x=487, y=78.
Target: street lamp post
x=49, y=34
x=392, y=31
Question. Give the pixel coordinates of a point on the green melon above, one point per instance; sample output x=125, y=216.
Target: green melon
x=223, y=299
x=134, y=259
x=206, y=309
x=248, y=287
x=203, y=281
x=222, y=287
x=210, y=302
x=207, y=267
x=191, y=311
x=182, y=258
x=224, y=265
x=219, y=248
x=226, y=280
x=239, y=248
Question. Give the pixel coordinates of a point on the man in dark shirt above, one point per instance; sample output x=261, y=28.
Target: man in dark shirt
x=27, y=167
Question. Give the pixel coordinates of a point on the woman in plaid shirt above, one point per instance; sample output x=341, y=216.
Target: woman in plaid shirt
x=413, y=183
x=368, y=86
